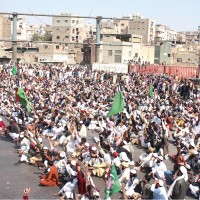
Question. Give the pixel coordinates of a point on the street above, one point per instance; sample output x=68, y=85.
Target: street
x=15, y=178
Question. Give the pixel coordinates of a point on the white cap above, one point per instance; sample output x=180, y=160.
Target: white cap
x=73, y=162
x=62, y=154
x=40, y=140
x=133, y=171
x=94, y=148
x=45, y=148
x=87, y=144
x=160, y=158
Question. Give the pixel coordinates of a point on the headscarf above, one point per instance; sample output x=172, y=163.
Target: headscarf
x=184, y=176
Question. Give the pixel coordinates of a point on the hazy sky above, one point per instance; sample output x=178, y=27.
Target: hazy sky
x=180, y=15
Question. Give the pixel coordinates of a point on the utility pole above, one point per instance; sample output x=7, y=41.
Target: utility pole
x=199, y=65
x=98, y=35
x=14, y=38
x=199, y=50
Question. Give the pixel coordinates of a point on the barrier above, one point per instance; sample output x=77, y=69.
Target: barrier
x=181, y=72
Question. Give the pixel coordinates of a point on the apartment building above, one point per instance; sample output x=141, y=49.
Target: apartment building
x=21, y=28
x=39, y=29
x=115, y=26
x=186, y=55
x=164, y=33
x=5, y=27
x=192, y=37
x=141, y=26
x=70, y=29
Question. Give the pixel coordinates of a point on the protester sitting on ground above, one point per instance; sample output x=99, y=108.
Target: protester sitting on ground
x=66, y=101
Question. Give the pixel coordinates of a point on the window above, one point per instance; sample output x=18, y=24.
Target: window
x=130, y=53
x=118, y=51
x=109, y=52
x=77, y=22
x=179, y=60
x=117, y=58
x=73, y=21
x=66, y=21
x=73, y=30
x=76, y=29
x=122, y=24
x=57, y=47
x=57, y=37
x=45, y=46
x=58, y=21
x=73, y=38
x=67, y=37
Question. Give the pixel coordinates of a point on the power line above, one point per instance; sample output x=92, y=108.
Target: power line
x=50, y=42
x=64, y=16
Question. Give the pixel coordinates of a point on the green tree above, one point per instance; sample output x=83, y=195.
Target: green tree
x=47, y=36
x=36, y=37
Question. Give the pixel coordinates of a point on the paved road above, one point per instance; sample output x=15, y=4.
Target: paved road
x=14, y=178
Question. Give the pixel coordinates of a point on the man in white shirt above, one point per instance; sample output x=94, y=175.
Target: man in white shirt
x=159, y=168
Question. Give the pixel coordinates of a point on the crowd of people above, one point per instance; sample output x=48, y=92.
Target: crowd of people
x=69, y=102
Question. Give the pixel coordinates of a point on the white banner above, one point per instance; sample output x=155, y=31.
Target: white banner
x=113, y=67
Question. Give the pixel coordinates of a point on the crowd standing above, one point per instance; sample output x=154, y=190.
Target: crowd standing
x=68, y=101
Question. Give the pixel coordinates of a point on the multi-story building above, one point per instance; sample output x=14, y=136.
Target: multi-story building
x=51, y=53
x=120, y=48
x=115, y=26
x=186, y=55
x=21, y=28
x=5, y=28
x=69, y=29
x=39, y=29
x=164, y=33
x=192, y=37
x=141, y=26
x=181, y=37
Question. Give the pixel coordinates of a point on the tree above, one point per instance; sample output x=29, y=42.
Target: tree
x=47, y=36
x=36, y=37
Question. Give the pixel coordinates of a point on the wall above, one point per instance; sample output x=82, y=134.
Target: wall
x=148, y=53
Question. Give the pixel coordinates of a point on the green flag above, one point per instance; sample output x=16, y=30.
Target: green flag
x=14, y=70
x=23, y=98
x=112, y=184
x=117, y=106
x=151, y=90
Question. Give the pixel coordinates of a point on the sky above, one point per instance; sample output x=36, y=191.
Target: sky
x=179, y=15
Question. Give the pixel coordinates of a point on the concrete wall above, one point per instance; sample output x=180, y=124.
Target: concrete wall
x=148, y=54
x=5, y=27
x=163, y=53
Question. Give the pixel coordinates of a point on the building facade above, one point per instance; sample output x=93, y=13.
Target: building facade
x=145, y=27
x=70, y=30
x=164, y=33
x=5, y=28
